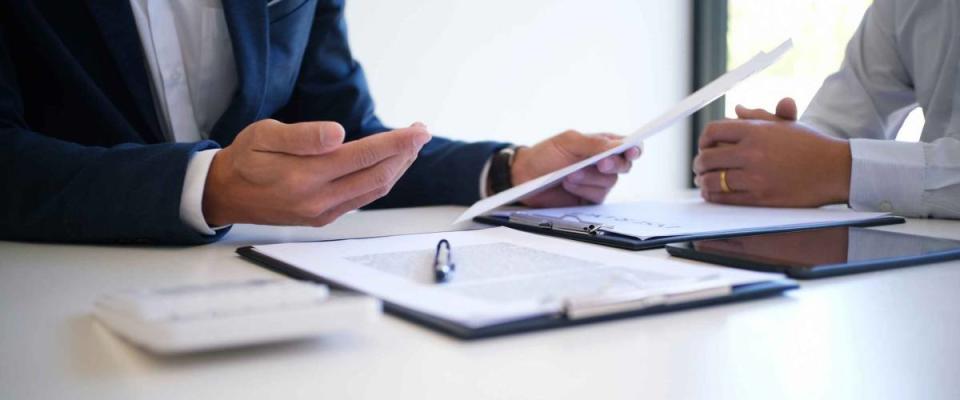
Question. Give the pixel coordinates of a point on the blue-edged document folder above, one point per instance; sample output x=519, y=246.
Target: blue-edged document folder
x=508, y=281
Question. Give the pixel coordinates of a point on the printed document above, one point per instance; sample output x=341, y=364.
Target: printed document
x=501, y=274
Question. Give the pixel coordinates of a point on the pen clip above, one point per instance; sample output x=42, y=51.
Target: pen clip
x=567, y=223
x=443, y=269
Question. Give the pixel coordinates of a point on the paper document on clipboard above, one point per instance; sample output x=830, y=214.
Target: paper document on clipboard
x=685, y=108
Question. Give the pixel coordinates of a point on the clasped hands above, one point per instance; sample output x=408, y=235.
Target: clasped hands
x=771, y=160
x=305, y=174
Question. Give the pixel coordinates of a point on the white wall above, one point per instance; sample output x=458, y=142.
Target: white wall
x=522, y=70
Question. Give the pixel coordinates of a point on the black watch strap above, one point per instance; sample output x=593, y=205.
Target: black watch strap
x=500, y=166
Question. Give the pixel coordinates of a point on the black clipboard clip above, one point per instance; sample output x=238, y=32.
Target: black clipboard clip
x=566, y=223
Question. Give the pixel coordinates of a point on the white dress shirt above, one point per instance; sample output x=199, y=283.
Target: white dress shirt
x=905, y=54
x=193, y=77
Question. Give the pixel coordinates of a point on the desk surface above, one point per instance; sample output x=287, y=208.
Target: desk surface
x=889, y=334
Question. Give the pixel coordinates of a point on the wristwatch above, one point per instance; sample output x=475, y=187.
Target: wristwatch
x=500, y=167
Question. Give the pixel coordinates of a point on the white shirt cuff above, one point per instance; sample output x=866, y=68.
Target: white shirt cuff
x=484, y=173
x=191, y=198
x=887, y=176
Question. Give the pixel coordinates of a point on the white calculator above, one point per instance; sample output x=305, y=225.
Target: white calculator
x=230, y=314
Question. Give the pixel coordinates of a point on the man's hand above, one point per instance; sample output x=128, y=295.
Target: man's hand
x=587, y=186
x=303, y=174
x=770, y=160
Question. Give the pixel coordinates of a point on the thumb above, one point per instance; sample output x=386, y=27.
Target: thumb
x=302, y=139
x=584, y=146
x=755, y=113
x=787, y=109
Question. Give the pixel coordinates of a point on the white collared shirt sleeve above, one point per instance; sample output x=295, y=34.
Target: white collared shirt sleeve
x=484, y=175
x=191, y=198
x=883, y=77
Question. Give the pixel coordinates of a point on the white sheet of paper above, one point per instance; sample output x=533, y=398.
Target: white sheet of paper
x=501, y=274
x=685, y=108
x=648, y=219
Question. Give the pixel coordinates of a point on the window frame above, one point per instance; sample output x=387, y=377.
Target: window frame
x=709, y=62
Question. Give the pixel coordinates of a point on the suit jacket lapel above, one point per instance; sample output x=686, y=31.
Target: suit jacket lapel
x=119, y=29
x=247, y=23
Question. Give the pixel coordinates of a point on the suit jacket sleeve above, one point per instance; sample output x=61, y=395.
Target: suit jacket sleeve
x=331, y=86
x=54, y=190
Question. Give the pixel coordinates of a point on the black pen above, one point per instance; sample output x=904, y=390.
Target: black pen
x=443, y=267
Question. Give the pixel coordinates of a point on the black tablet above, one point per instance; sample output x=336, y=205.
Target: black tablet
x=816, y=253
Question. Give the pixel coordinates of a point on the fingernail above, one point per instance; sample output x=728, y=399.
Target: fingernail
x=419, y=124
x=576, y=176
x=421, y=138
x=605, y=165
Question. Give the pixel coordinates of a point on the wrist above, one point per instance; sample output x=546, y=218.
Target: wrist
x=843, y=164
x=216, y=209
x=500, y=175
x=517, y=171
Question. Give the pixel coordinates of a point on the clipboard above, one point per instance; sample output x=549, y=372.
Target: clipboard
x=537, y=323
x=596, y=234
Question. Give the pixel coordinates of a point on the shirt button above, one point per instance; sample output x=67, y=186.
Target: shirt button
x=886, y=206
x=176, y=76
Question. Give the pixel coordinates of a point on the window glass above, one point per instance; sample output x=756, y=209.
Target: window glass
x=820, y=31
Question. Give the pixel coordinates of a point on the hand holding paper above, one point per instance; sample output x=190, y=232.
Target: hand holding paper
x=685, y=108
x=587, y=186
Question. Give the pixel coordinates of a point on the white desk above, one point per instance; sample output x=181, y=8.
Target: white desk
x=890, y=334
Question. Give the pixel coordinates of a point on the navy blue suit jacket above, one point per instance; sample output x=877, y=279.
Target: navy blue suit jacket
x=82, y=156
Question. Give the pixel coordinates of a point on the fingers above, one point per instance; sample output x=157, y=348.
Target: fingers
x=593, y=194
x=302, y=139
x=724, y=131
x=592, y=177
x=733, y=198
x=582, y=146
x=616, y=164
x=715, y=158
x=711, y=182
x=787, y=109
x=621, y=163
x=633, y=153
x=378, y=177
x=350, y=192
x=555, y=196
x=609, y=136
x=332, y=214
x=754, y=113
x=373, y=149
x=589, y=184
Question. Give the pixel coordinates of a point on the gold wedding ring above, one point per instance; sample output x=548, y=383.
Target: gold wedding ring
x=723, y=181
